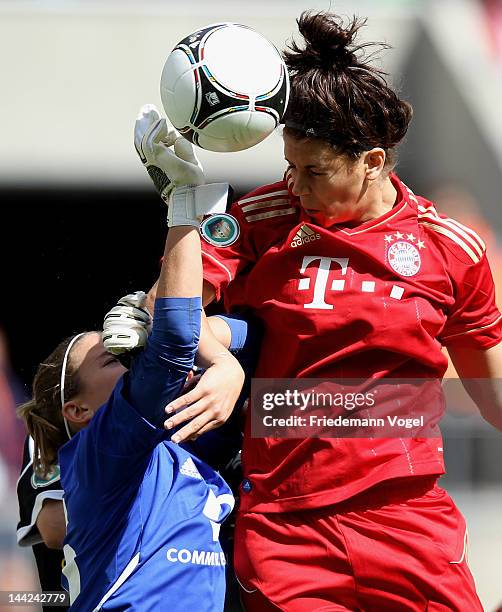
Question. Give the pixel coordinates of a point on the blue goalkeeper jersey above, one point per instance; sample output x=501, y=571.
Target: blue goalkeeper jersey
x=143, y=513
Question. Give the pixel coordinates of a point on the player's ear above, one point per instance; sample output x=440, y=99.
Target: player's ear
x=77, y=413
x=374, y=162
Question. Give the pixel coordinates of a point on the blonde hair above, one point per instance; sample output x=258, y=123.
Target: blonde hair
x=43, y=413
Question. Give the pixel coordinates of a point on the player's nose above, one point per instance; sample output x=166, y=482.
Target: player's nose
x=300, y=186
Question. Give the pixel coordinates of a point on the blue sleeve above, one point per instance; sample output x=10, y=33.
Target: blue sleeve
x=246, y=335
x=158, y=374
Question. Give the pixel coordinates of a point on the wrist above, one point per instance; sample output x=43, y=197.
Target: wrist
x=181, y=208
x=205, y=361
x=189, y=204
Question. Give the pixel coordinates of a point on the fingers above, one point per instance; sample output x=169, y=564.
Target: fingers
x=136, y=299
x=160, y=132
x=147, y=116
x=184, y=150
x=126, y=326
x=128, y=314
x=172, y=134
x=206, y=428
x=118, y=339
x=193, y=430
x=186, y=414
x=195, y=414
x=179, y=171
x=151, y=128
x=164, y=133
x=148, y=111
x=153, y=135
x=157, y=142
x=183, y=400
x=200, y=411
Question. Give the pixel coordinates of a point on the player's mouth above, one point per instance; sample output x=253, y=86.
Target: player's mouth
x=311, y=211
x=308, y=209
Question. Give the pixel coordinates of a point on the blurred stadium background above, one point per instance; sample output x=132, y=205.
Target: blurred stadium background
x=81, y=224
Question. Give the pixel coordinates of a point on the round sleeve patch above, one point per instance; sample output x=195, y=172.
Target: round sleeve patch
x=220, y=230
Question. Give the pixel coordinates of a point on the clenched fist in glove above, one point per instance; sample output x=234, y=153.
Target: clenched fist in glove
x=127, y=325
x=175, y=170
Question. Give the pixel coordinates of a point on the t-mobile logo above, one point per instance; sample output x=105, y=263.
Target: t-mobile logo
x=321, y=279
x=338, y=284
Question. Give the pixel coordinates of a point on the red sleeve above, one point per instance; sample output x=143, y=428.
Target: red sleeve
x=474, y=320
x=223, y=264
x=258, y=215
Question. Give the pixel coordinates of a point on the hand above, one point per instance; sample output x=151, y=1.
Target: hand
x=211, y=403
x=175, y=170
x=127, y=325
x=168, y=168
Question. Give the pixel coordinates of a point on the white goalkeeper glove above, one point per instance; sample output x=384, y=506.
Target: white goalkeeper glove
x=127, y=325
x=175, y=170
x=153, y=139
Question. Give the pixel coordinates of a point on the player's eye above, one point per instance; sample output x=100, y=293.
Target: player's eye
x=110, y=360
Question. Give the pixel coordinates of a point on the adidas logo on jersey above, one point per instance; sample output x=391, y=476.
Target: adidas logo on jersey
x=304, y=235
x=189, y=469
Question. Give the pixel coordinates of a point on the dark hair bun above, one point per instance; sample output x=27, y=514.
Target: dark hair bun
x=327, y=42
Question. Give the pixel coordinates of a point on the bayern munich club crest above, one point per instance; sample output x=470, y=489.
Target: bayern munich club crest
x=403, y=256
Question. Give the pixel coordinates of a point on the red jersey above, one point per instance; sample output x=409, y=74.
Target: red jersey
x=378, y=300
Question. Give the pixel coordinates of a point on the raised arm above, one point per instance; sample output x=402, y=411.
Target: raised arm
x=181, y=274
x=125, y=326
x=158, y=374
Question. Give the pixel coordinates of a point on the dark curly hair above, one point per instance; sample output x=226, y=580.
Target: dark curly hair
x=336, y=95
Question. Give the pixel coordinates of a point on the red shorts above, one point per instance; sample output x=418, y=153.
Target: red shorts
x=408, y=553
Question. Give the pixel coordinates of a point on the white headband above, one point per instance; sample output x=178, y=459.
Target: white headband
x=63, y=375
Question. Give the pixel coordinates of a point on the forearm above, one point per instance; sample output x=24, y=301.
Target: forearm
x=150, y=298
x=181, y=272
x=177, y=309
x=487, y=395
x=219, y=329
x=158, y=375
x=481, y=374
x=212, y=347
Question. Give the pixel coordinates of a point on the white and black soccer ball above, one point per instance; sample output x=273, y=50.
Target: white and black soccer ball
x=225, y=87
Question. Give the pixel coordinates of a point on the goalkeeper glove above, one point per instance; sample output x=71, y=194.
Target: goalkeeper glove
x=153, y=140
x=176, y=172
x=127, y=325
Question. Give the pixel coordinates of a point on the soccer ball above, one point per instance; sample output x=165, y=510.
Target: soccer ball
x=225, y=87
